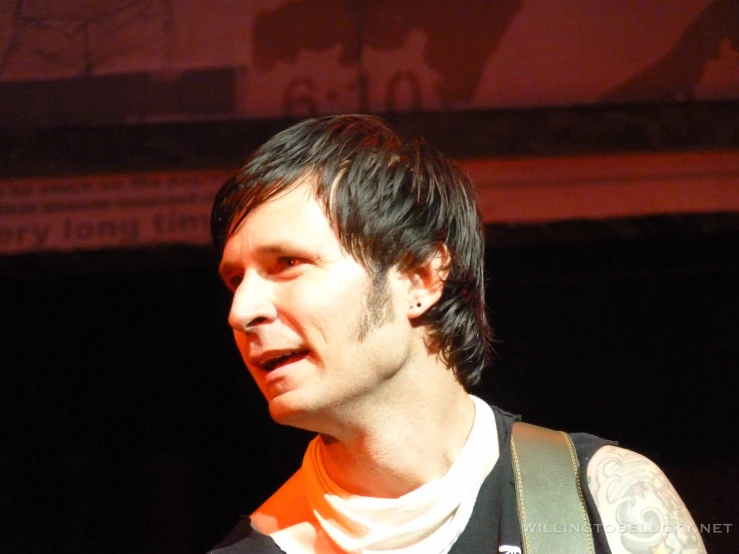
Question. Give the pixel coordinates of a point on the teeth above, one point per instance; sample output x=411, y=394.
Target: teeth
x=271, y=363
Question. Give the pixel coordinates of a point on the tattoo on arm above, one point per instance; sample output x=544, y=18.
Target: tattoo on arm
x=641, y=511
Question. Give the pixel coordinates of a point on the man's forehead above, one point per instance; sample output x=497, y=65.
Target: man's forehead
x=293, y=197
x=295, y=218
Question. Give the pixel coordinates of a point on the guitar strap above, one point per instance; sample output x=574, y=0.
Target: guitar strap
x=549, y=497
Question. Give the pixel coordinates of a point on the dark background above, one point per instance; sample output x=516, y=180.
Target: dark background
x=134, y=427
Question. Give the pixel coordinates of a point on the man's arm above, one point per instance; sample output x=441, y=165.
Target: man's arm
x=640, y=509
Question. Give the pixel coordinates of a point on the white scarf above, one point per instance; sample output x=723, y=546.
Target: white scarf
x=427, y=520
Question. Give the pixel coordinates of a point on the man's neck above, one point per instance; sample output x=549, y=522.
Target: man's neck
x=400, y=444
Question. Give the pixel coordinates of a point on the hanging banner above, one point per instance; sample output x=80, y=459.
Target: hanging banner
x=107, y=211
x=80, y=62
x=120, y=211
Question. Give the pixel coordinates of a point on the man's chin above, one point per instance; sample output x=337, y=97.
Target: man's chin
x=290, y=409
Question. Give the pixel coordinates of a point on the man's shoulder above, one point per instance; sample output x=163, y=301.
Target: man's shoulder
x=626, y=485
x=287, y=507
x=244, y=539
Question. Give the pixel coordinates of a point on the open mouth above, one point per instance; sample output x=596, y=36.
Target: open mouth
x=283, y=359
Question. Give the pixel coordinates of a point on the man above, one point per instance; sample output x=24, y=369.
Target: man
x=355, y=262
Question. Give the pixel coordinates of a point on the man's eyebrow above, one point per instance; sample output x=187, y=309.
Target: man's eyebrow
x=290, y=249
x=264, y=251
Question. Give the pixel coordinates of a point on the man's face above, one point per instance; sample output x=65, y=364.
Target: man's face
x=317, y=333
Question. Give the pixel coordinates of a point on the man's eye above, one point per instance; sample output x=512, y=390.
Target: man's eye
x=288, y=262
x=234, y=282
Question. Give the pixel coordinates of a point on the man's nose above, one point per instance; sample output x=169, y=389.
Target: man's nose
x=252, y=304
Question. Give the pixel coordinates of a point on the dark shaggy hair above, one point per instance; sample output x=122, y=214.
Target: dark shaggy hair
x=392, y=204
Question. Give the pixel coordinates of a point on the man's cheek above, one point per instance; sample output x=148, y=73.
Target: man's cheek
x=240, y=340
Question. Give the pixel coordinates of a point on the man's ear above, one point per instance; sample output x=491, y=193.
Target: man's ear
x=425, y=283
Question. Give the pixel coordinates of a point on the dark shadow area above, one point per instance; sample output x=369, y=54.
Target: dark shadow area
x=131, y=425
x=562, y=131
